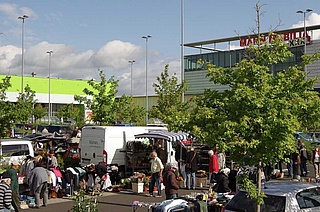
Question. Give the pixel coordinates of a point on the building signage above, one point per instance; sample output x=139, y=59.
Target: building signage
x=293, y=38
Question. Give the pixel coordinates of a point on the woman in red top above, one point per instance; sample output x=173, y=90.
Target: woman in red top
x=213, y=165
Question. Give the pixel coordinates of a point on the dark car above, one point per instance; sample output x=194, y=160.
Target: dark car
x=60, y=129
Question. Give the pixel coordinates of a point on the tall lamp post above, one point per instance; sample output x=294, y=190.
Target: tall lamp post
x=49, y=92
x=147, y=101
x=305, y=31
x=131, y=63
x=22, y=49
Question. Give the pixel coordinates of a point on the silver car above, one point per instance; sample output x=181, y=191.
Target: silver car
x=282, y=196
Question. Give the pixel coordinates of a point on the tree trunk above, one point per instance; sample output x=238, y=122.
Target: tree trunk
x=258, y=183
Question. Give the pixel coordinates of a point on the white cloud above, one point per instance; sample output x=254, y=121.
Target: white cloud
x=12, y=11
x=67, y=63
x=313, y=19
x=116, y=54
x=7, y=56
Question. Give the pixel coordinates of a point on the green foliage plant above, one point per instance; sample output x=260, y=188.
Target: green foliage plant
x=83, y=203
x=170, y=108
x=102, y=102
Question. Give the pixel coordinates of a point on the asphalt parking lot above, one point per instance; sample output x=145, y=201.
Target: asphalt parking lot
x=110, y=201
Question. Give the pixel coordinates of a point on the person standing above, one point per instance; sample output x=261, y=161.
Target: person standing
x=14, y=185
x=38, y=181
x=316, y=161
x=156, y=173
x=5, y=193
x=192, y=161
x=52, y=161
x=304, y=159
x=213, y=165
x=221, y=157
x=170, y=182
x=296, y=164
x=180, y=156
x=74, y=132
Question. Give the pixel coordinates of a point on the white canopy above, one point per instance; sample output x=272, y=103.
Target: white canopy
x=170, y=136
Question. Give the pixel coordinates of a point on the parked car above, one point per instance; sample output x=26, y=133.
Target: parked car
x=15, y=149
x=315, y=134
x=14, y=133
x=303, y=136
x=282, y=196
x=60, y=129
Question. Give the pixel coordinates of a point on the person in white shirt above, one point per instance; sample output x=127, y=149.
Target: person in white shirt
x=156, y=174
x=316, y=160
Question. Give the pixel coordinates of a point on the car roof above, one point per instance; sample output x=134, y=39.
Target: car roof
x=14, y=141
x=285, y=187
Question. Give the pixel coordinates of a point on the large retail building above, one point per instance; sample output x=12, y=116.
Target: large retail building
x=221, y=52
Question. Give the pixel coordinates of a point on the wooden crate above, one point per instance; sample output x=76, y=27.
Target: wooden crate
x=137, y=187
x=201, y=181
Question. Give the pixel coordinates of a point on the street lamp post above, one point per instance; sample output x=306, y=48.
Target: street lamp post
x=147, y=101
x=49, y=92
x=22, y=49
x=131, y=63
x=305, y=31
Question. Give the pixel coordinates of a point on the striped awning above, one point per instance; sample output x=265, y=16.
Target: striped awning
x=170, y=136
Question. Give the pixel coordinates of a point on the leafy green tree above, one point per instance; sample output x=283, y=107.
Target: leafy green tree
x=75, y=112
x=126, y=111
x=102, y=102
x=39, y=112
x=170, y=108
x=255, y=119
x=6, y=108
x=24, y=105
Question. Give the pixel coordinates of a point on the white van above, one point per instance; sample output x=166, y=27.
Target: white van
x=107, y=144
x=15, y=149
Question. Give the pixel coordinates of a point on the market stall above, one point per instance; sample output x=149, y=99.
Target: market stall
x=163, y=142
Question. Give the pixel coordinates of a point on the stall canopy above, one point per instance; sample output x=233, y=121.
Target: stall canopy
x=170, y=136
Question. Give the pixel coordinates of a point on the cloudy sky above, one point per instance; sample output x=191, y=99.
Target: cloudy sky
x=86, y=36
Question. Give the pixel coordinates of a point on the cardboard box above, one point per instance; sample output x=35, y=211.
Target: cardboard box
x=137, y=187
x=201, y=181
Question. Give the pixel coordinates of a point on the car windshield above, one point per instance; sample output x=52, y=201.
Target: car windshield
x=309, y=198
x=242, y=202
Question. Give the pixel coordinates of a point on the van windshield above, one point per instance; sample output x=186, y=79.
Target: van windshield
x=15, y=150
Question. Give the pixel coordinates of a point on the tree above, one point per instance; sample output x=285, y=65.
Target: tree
x=75, y=112
x=103, y=96
x=7, y=114
x=255, y=119
x=25, y=104
x=170, y=108
x=39, y=112
x=127, y=112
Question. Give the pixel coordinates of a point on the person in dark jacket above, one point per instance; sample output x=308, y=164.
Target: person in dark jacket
x=192, y=159
x=181, y=153
x=222, y=185
x=170, y=181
